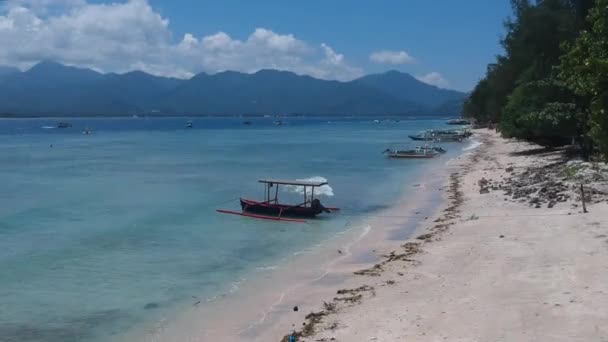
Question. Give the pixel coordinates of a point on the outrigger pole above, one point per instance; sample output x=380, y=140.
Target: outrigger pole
x=263, y=217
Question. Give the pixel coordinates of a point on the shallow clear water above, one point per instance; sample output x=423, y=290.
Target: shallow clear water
x=101, y=232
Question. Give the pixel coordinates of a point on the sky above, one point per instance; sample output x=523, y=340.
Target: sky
x=447, y=43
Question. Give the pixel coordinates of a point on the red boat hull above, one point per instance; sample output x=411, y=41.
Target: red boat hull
x=278, y=210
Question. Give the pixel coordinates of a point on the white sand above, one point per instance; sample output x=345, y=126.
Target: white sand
x=545, y=280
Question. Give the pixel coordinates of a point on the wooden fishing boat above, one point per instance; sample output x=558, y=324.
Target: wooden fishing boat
x=271, y=209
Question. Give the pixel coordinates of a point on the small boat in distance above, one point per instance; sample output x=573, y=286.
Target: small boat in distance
x=445, y=136
x=278, y=122
x=64, y=125
x=87, y=131
x=189, y=124
x=426, y=152
x=421, y=137
x=246, y=122
x=458, y=122
x=271, y=209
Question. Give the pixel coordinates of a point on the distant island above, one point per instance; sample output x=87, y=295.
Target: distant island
x=53, y=89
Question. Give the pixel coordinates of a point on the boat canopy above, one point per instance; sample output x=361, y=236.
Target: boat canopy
x=292, y=182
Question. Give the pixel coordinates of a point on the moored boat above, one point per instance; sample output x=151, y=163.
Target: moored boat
x=445, y=136
x=437, y=149
x=459, y=122
x=417, y=153
x=271, y=209
x=421, y=137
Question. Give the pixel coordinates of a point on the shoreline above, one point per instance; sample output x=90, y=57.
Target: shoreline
x=381, y=274
x=511, y=257
x=263, y=316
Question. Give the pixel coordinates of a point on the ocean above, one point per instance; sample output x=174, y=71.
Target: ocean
x=104, y=232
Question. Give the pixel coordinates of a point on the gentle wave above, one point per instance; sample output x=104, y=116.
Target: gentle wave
x=324, y=190
x=474, y=144
x=266, y=268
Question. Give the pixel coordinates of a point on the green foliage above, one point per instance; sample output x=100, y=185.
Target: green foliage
x=584, y=69
x=551, y=85
x=536, y=111
x=532, y=48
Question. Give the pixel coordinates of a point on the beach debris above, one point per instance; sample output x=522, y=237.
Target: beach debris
x=363, y=288
x=502, y=236
x=312, y=320
x=411, y=248
x=552, y=180
x=353, y=296
x=373, y=271
x=329, y=307
x=295, y=308
x=425, y=236
x=351, y=299
x=339, y=251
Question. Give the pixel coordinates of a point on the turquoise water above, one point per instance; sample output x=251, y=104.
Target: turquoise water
x=101, y=232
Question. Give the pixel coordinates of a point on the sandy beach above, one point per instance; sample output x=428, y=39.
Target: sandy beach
x=510, y=257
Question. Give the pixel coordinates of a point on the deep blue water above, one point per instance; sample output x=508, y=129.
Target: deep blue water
x=100, y=232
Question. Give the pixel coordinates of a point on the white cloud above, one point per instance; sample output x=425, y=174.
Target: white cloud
x=391, y=57
x=334, y=66
x=331, y=56
x=131, y=35
x=42, y=6
x=434, y=78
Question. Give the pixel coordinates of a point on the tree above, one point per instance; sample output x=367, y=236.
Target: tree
x=539, y=111
x=532, y=49
x=584, y=69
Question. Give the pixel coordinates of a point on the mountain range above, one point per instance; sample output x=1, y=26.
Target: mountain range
x=53, y=89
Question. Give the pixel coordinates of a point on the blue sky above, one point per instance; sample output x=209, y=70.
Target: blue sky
x=454, y=38
x=448, y=43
